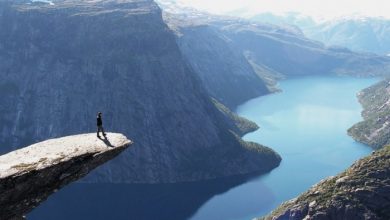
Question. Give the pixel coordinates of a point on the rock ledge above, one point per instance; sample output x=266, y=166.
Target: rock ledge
x=29, y=175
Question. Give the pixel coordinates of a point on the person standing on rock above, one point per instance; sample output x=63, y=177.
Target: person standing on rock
x=99, y=123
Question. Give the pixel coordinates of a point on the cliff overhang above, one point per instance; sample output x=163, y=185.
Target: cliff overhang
x=30, y=175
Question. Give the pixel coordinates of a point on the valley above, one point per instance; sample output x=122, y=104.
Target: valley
x=228, y=117
x=305, y=123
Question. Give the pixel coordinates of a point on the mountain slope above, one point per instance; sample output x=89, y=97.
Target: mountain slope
x=239, y=125
x=291, y=54
x=361, y=192
x=358, y=33
x=272, y=52
x=60, y=63
x=374, y=129
x=224, y=71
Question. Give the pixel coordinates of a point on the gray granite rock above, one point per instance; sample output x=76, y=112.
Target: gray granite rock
x=223, y=69
x=28, y=176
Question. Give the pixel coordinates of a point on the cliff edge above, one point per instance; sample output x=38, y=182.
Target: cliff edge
x=29, y=175
x=360, y=192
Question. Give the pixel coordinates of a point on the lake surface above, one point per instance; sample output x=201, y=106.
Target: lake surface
x=306, y=124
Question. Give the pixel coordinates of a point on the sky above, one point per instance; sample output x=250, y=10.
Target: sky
x=315, y=8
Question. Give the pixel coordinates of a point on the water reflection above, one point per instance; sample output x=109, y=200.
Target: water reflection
x=133, y=201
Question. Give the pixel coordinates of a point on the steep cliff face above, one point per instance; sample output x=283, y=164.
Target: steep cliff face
x=225, y=72
x=30, y=175
x=60, y=63
x=374, y=130
x=361, y=192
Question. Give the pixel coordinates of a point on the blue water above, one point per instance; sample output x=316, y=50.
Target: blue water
x=306, y=124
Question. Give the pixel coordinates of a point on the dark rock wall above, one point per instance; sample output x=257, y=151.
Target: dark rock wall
x=223, y=69
x=61, y=63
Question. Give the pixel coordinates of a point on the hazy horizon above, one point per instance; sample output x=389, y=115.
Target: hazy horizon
x=313, y=8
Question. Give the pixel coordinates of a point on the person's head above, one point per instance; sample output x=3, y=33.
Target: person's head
x=99, y=114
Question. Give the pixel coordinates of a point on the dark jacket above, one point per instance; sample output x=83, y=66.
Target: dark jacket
x=99, y=121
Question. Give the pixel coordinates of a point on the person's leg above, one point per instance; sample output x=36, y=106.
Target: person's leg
x=98, y=130
x=104, y=133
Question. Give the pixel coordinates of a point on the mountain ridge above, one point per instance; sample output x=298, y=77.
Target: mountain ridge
x=357, y=32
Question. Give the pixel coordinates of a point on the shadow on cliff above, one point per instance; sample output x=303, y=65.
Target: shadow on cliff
x=132, y=201
x=106, y=141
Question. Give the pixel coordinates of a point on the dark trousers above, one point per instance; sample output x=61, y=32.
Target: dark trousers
x=100, y=129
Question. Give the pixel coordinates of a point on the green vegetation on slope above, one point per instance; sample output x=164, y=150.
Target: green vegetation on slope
x=374, y=129
x=360, y=192
x=240, y=124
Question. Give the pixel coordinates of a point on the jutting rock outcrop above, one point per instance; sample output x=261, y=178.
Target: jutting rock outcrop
x=28, y=176
x=361, y=192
